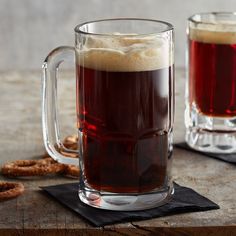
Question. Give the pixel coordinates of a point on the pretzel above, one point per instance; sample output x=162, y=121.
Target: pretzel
x=72, y=171
x=10, y=190
x=32, y=167
x=71, y=142
x=46, y=165
x=52, y=166
x=69, y=154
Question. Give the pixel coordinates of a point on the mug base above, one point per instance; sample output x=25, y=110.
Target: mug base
x=209, y=134
x=125, y=202
x=211, y=141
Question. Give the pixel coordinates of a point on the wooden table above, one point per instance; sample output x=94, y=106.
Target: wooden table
x=34, y=212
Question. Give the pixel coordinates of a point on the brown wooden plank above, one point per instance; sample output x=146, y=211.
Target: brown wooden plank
x=165, y=231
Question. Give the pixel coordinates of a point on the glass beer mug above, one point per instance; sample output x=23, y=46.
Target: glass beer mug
x=210, y=115
x=125, y=94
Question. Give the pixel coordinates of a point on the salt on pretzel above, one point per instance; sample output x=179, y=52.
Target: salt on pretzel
x=32, y=167
x=10, y=190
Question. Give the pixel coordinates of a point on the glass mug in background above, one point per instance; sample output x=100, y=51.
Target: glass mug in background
x=125, y=105
x=210, y=115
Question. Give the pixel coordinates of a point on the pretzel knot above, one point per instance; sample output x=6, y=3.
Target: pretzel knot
x=10, y=190
x=32, y=167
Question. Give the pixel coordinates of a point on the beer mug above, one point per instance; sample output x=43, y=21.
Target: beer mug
x=210, y=115
x=124, y=99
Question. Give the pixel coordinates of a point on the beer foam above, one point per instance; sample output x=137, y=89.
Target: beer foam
x=224, y=33
x=125, y=53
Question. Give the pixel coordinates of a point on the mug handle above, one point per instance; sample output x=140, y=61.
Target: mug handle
x=51, y=131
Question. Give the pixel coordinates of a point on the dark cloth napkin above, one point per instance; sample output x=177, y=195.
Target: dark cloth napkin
x=183, y=200
x=230, y=158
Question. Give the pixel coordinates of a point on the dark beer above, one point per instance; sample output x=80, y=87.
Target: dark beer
x=212, y=73
x=125, y=120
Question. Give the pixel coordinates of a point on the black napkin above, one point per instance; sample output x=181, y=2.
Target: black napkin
x=183, y=200
x=230, y=158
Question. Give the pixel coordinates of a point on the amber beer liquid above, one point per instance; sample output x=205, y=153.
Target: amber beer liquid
x=124, y=106
x=210, y=112
x=212, y=73
x=124, y=110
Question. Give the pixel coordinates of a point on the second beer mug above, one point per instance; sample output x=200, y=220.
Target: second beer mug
x=210, y=115
x=125, y=105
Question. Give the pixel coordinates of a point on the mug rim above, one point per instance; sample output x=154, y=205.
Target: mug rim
x=227, y=13
x=78, y=27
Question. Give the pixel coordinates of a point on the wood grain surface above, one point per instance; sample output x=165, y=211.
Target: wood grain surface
x=34, y=213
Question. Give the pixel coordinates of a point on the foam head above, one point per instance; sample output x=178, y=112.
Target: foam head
x=125, y=53
x=220, y=33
